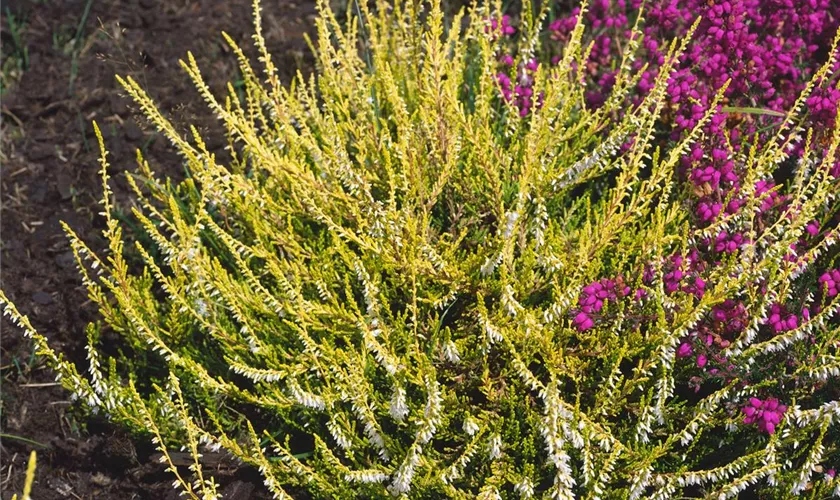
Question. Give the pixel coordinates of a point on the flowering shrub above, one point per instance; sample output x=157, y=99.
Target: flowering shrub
x=461, y=263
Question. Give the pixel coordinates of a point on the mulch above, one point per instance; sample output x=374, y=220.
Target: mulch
x=50, y=174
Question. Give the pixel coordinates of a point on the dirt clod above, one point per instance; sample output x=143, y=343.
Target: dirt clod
x=42, y=298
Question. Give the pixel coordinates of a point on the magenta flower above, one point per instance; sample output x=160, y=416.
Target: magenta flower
x=728, y=243
x=594, y=296
x=762, y=187
x=507, y=29
x=684, y=350
x=673, y=278
x=708, y=211
x=823, y=106
x=780, y=320
x=731, y=316
x=766, y=414
x=583, y=322
x=829, y=282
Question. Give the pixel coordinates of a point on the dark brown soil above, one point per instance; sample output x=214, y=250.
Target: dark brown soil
x=49, y=174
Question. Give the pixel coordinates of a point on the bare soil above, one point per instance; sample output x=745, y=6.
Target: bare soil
x=49, y=174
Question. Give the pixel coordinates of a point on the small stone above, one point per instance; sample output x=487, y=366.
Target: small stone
x=39, y=151
x=65, y=260
x=118, y=105
x=64, y=184
x=39, y=194
x=42, y=298
x=132, y=131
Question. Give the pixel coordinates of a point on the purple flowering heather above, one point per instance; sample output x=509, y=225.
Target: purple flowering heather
x=766, y=51
x=765, y=414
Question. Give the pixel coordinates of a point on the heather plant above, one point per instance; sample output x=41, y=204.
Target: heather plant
x=439, y=268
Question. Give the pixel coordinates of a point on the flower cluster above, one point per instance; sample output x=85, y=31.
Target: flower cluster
x=766, y=414
x=506, y=28
x=730, y=317
x=822, y=106
x=684, y=275
x=766, y=51
x=780, y=320
x=520, y=91
x=594, y=296
x=728, y=243
x=829, y=281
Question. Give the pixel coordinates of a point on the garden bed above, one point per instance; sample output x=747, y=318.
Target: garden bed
x=488, y=258
x=49, y=174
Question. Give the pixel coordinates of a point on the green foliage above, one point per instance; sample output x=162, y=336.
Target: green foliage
x=373, y=296
x=15, y=54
